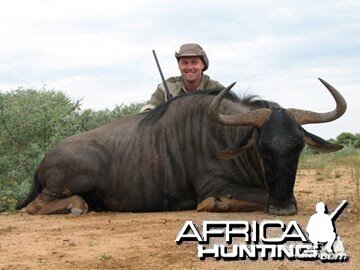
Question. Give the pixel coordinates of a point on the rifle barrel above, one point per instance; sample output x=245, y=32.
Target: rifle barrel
x=338, y=209
x=168, y=96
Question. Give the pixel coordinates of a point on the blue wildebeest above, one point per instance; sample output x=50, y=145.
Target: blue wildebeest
x=220, y=153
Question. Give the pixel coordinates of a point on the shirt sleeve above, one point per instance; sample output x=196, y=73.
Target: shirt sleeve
x=156, y=99
x=218, y=85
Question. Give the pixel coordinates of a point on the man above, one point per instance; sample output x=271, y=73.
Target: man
x=321, y=229
x=192, y=62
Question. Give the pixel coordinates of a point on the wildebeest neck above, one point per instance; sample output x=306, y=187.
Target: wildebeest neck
x=184, y=132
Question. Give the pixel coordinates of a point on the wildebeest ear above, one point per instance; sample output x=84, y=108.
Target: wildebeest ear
x=320, y=144
x=238, y=147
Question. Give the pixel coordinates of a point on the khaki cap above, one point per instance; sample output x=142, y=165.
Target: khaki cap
x=192, y=49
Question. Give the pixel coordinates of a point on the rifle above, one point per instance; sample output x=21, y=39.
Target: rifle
x=338, y=210
x=168, y=96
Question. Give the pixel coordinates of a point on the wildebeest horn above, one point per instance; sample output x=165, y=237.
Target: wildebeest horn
x=307, y=117
x=250, y=118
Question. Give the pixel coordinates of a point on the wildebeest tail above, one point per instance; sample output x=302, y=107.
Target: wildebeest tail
x=34, y=191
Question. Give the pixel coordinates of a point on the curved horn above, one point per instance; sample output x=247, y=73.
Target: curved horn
x=308, y=117
x=251, y=118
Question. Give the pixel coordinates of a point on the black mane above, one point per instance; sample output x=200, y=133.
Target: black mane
x=155, y=114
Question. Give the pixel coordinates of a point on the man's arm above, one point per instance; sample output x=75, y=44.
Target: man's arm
x=216, y=84
x=156, y=98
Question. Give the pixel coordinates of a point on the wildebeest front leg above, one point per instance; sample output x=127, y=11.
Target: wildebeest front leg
x=43, y=205
x=235, y=198
x=225, y=204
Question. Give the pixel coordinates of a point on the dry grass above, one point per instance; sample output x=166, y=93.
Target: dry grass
x=327, y=167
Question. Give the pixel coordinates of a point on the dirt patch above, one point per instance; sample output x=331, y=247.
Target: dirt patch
x=147, y=240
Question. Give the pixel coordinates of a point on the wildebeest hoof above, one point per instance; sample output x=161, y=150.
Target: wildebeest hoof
x=282, y=211
x=77, y=206
x=76, y=212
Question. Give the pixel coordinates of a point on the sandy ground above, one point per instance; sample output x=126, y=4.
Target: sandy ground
x=147, y=240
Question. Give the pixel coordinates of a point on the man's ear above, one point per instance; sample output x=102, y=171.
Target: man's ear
x=236, y=148
x=320, y=144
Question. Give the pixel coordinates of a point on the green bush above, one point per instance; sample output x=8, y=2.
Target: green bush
x=89, y=119
x=33, y=121
x=349, y=139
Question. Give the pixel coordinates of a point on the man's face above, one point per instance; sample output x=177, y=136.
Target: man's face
x=191, y=68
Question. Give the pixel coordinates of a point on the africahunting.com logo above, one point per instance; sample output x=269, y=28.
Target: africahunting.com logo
x=241, y=240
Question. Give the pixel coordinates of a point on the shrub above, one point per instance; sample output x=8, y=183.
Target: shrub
x=349, y=139
x=33, y=121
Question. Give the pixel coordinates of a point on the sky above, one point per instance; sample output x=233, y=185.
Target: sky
x=101, y=51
